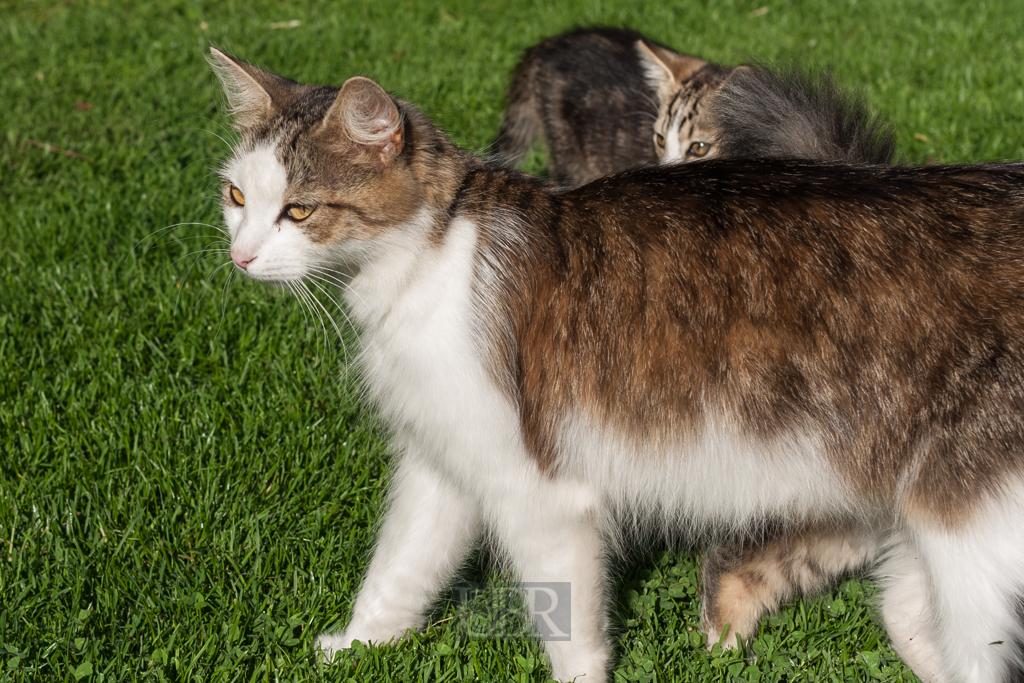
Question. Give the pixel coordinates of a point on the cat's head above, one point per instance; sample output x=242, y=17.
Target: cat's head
x=681, y=132
x=319, y=174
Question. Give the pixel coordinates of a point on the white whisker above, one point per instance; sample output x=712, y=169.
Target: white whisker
x=302, y=304
x=308, y=299
x=171, y=227
x=335, y=279
x=334, y=324
x=223, y=297
x=200, y=255
x=228, y=131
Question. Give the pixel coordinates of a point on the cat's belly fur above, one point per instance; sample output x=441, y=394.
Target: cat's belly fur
x=719, y=479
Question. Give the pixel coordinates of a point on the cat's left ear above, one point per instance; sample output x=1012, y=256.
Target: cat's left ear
x=664, y=69
x=366, y=115
x=252, y=92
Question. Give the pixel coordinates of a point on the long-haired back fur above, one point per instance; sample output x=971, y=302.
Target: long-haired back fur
x=789, y=112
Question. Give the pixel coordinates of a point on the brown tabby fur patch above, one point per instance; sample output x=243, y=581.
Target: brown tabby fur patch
x=881, y=306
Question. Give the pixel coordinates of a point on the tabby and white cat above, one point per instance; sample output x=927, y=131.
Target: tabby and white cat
x=595, y=94
x=705, y=346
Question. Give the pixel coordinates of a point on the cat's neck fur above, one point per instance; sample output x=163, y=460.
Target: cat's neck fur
x=465, y=199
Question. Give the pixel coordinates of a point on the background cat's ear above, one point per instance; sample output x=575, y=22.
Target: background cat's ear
x=665, y=69
x=251, y=92
x=737, y=73
x=365, y=115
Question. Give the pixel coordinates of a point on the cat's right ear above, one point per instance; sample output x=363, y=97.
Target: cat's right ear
x=366, y=117
x=251, y=92
x=664, y=69
x=735, y=79
x=738, y=72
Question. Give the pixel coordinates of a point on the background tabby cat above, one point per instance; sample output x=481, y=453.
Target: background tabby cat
x=590, y=95
x=605, y=100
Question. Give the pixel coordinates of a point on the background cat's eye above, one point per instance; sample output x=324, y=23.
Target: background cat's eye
x=237, y=195
x=699, y=149
x=300, y=212
x=660, y=139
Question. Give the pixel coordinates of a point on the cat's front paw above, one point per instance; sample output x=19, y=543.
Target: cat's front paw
x=330, y=644
x=327, y=644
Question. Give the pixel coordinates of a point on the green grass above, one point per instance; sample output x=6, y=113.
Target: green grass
x=188, y=480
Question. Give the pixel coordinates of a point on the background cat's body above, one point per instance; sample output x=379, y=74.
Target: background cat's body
x=607, y=100
x=587, y=92
x=712, y=344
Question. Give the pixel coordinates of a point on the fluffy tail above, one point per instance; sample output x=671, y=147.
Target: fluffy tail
x=522, y=118
x=762, y=112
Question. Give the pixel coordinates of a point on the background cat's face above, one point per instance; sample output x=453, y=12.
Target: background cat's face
x=680, y=131
x=680, y=83
x=314, y=181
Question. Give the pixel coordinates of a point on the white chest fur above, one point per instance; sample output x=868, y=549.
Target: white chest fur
x=421, y=362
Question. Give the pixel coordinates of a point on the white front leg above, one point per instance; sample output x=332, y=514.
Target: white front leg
x=551, y=535
x=426, y=534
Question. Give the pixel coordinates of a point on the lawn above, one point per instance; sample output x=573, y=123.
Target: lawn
x=189, y=480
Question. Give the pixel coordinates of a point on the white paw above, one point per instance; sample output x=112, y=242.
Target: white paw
x=328, y=644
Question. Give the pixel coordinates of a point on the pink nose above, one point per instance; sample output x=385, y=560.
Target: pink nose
x=242, y=260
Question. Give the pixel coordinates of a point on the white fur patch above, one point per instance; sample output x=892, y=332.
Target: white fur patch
x=720, y=479
x=974, y=590
x=414, y=302
x=906, y=609
x=429, y=528
x=673, y=141
x=280, y=252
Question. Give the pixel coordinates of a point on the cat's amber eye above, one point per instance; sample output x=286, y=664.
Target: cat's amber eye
x=237, y=195
x=699, y=149
x=299, y=213
x=660, y=139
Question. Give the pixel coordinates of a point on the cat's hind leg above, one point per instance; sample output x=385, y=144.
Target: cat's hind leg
x=907, y=611
x=974, y=591
x=742, y=580
x=427, y=533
